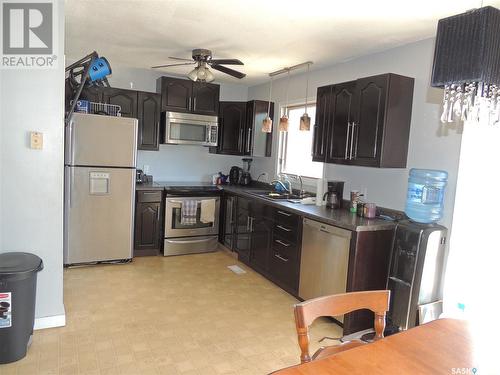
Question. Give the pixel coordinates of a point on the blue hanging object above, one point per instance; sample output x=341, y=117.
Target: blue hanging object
x=99, y=69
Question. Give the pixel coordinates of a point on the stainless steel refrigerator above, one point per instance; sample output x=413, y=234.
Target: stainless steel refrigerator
x=99, y=188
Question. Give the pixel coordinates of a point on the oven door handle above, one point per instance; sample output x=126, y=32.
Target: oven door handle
x=189, y=241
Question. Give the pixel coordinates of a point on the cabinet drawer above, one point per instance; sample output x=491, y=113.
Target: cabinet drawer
x=286, y=231
x=286, y=248
x=284, y=217
x=149, y=196
x=284, y=271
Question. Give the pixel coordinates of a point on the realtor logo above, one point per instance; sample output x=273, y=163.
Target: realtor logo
x=28, y=35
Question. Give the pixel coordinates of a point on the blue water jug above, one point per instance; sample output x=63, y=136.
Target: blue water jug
x=424, y=202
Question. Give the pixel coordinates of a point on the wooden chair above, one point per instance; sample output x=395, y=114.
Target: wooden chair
x=308, y=311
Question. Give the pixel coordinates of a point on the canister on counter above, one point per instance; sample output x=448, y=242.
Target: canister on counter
x=360, y=209
x=353, y=207
x=370, y=210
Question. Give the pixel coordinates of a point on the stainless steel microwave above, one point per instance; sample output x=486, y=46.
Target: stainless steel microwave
x=189, y=129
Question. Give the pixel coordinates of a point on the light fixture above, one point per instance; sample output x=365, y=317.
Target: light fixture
x=305, y=120
x=201, y=73
x=283, y=125
x=267, y=123
x=467, y=65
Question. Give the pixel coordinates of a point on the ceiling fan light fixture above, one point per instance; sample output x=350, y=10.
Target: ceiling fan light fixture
x=193, y=74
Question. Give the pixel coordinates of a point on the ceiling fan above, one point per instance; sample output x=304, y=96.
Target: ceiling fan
x=202, y=58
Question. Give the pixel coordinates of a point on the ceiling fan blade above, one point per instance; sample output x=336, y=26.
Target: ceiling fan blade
x=168, y=65
x=179, y=58
x=225, y=62
x=229, y=71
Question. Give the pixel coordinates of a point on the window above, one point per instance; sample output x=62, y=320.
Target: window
x=296, y=145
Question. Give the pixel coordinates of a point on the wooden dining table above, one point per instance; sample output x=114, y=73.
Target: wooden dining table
x=443, y=346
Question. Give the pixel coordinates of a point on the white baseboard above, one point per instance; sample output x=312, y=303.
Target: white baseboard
x=50, y=321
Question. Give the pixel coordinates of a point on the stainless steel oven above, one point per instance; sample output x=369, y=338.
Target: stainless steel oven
x=189, y=129
x=189, y=238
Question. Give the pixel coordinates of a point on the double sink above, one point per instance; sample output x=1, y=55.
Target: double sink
x=274, y=195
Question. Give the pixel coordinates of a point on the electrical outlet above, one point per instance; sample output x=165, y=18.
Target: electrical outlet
x=36, y=140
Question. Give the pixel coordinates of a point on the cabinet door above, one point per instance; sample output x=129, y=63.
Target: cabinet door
x=342, y=107
x=149, y=121
x=258, y=143
x=147, y=228
x=243, y=235
x=205, y=98
x=229, y=217
x=126, y=99
x=176, y=94
x=368, y=128
x=232, y=128
x=320, y=132
x=262, y=233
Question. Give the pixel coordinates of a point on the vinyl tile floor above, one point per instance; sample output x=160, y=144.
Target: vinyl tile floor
x=176, y=315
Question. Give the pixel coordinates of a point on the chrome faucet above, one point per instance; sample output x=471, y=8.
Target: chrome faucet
x=296, y=177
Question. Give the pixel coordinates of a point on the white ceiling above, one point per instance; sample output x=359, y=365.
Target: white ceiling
x=265, y=34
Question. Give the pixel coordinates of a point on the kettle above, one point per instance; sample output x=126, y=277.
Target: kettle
x=332, y=200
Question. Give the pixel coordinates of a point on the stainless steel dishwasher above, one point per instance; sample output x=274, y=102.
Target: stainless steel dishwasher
x=324, y=260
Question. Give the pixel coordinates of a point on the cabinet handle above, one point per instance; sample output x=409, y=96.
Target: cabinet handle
x=240, y=140
x=284, y=213
x=347, y=139
x=354, y=125
x=249, y=139
x=158, y=215
x=281, y=258
x=284, y=228
x=248, y=223
x=189, y=103
x=282, y=243
x=194, y=102
x=352, y=139
x=251, y=223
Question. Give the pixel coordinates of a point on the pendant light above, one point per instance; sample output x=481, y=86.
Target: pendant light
x=267, y=123
x=305, y=120
x=467, y=65
x=283, y=125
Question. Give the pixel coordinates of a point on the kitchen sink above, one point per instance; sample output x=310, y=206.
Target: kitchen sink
x=277, y=195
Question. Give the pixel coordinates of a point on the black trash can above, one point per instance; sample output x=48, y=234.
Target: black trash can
x=18, y=273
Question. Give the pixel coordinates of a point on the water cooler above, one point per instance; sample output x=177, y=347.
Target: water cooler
x=415, y=274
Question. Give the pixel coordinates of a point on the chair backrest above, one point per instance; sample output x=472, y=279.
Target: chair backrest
x=308, y=311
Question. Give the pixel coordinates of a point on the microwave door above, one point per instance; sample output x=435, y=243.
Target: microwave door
x=186, y=133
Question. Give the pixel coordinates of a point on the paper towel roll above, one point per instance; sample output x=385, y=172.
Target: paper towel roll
x=320, y=191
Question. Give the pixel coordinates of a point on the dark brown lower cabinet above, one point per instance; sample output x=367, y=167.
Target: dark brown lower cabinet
x=148, y=223
x=368, y=270
x=269, y=240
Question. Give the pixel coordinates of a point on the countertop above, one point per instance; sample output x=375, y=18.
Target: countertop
x=340, y=218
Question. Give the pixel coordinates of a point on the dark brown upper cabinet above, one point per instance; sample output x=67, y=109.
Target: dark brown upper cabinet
x=182, y=95
x=364, y=122
x=206, y=98
x=343, y=103
x=240, y=129
x=148, y=133
x=232, y=125
x=144, y=106
x=323, y=102
x=126, y=99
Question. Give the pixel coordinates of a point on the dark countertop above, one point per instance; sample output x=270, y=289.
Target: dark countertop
x=340, y=218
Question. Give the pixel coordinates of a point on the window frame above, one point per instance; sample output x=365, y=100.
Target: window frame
x=283, y=140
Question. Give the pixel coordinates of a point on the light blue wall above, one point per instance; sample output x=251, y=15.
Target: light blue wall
x=31, y=181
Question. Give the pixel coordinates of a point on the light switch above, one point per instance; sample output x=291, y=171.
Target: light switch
x=36, y=140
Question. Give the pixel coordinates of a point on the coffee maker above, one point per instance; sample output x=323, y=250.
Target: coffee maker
x=334, y=194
